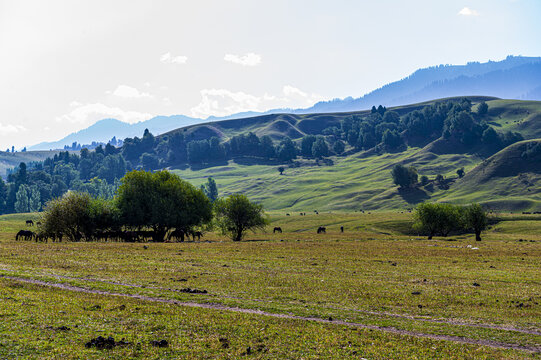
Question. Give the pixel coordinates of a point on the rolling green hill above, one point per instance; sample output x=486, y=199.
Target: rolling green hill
x=362, y=180
x=297, y=125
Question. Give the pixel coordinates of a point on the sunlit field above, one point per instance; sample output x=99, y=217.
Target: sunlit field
x=376, y=291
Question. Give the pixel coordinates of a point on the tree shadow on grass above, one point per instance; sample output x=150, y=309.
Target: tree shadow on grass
x=413, y=195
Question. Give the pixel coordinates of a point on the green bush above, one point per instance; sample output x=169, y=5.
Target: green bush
x=442, y=219
x=236, y=214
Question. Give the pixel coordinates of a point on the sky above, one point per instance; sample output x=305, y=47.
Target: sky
x=64, y=64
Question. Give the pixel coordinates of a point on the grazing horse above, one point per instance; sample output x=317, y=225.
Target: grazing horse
x=177, y=234
x=24, y=235
x=41, y=237
x=199, y=234
x=321, y=230
x=29, y=223
x=277, y=229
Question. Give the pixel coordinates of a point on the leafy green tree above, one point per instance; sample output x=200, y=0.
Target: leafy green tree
x=78, y=216
x=161, y=201
x=150, y=161
x=460, y=172
x=267, y=147
x=3, y=196
x=391, y=117
x=210, y=189
x=21, y=204
x=22, y=174
x=391, y=139
x=475, y=218
x=338, y=147
x=306, y=145
x=403, y=176
x=369, y=140
x=281, y=169
x=287, y=150
x=236, y=214
x=34, y=199
x=424, y=180
x=482, y=109
x=433, y=218
x=320, y=148
x=68, y=216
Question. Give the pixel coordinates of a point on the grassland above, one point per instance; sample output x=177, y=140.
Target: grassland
x=351, y=183
x=390, y=293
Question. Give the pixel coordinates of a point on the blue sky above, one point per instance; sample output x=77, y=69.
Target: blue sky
x=67, y=64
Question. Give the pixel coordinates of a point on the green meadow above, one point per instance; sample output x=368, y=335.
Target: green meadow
x=375, y=291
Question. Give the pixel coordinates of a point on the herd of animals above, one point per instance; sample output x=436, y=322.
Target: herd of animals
x=126, y=236
x=132, y=236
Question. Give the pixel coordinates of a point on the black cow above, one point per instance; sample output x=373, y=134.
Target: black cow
x=321, y=230
x=277, y=229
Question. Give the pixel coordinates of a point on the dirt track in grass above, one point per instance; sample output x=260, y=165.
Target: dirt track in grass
x=458, y=339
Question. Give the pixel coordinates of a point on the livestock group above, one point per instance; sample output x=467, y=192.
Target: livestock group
x=176, y=235
x=118, y=236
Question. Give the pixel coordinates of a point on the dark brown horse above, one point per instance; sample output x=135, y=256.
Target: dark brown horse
x=277, y=229
x=24, y=235
x=177, y=234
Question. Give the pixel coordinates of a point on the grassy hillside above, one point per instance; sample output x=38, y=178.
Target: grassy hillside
x=294, y=125
x=352, y=183
x=507, y=180
x=362, y=180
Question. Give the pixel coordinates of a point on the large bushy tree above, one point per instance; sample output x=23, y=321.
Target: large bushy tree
x=404, y=176
x=161, y=201
x=435, y=218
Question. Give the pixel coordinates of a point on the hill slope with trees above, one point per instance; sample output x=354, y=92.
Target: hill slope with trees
x=335, y=161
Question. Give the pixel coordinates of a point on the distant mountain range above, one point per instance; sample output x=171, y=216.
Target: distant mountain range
x=513, y=78
x=516, y=77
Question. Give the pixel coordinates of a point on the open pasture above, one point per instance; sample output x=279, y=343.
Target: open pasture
x=378, y=291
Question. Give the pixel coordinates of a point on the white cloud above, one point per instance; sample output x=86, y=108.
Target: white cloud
x=468, y=12
x=167, y=58
x=90, y=113
x=223, y=102
x=126, y=91
x=9, y=129
x=250, y=59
